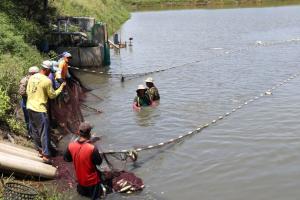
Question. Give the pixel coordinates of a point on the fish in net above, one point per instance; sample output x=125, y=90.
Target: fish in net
x=115, y=175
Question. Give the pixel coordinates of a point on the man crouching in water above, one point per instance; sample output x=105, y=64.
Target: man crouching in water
x=85, y=157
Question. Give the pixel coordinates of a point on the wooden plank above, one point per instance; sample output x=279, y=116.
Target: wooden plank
x=112, y=44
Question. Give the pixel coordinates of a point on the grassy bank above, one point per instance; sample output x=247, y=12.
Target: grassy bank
x=169, y=4
x=23, y=26
x=17, y=54
x=113, y=12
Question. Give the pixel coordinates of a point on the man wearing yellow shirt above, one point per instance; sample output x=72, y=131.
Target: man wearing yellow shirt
x=38, y=90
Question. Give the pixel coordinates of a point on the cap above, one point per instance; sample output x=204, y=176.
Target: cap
x=47, y=64
x=85, y=128
x=67, y=55
x=149, y=80
x=33, y=69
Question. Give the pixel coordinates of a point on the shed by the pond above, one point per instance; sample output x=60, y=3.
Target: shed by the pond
x=84, y=38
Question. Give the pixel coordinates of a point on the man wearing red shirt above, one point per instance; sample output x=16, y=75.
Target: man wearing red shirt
x=85, y=157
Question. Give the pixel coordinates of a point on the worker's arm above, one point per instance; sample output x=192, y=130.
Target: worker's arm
x=149, y=92
x=54, y=93
x=96, y=158
x=149, y=99
x=68, y=156
x=135, y=102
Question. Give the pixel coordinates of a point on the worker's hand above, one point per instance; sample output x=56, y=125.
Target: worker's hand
x=63, y=84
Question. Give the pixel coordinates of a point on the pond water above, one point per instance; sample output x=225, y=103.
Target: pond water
x=240, y=53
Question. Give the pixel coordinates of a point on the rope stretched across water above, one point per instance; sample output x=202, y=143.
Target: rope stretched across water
x=204, y=126
x=128, y=77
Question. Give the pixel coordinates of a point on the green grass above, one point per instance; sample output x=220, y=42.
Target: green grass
x=17, y=54
x=112, y=12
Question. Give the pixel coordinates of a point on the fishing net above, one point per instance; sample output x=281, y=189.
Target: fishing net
x=127, y=182
x=118, y=161
x=65, y=174
x=65, y=109
x=66, y=112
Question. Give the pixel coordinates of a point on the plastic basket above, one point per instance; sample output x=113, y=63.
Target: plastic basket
x=17, y=191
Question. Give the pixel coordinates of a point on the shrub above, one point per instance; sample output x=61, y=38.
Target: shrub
x=16, y=56
x=4, y=103
x=111, y=12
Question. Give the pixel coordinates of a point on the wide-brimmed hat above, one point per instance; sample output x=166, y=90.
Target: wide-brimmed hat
x=47, y=64
x=141, y=87
x=33, y=69
x=149, y=80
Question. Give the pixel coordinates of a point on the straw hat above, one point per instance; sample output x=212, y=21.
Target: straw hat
x=141, y=87
x=149, y=80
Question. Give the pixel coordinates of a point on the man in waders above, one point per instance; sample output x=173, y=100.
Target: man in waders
x=152, y=91
x=142, y=98
x=22, y=91
x=39, y=89
x=85, y=157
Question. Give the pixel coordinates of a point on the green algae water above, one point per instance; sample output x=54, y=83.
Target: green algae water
x=253, y=153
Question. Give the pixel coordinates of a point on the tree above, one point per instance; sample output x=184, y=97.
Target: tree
x=34, y=9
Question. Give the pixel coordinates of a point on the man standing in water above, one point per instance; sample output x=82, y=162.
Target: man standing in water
x=85, y=157
x=152, y=91
x=38, y=90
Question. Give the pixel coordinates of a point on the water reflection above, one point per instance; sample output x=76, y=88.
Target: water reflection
x=145, y=117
